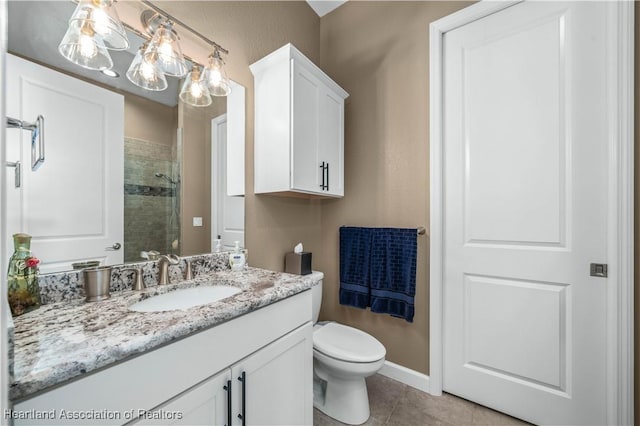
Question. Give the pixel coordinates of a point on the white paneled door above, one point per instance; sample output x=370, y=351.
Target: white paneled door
x=526, y=153
x=73, y=204
x=227, y=211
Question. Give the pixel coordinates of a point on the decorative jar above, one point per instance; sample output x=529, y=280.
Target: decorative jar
x=22, y=277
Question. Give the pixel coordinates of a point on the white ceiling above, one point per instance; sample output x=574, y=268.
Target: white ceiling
x=322, y=7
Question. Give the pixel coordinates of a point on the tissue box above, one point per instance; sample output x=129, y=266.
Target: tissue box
x=298, y=263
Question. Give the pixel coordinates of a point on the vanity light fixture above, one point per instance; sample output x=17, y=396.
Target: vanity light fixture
x=217, y=80
x=195, y=91
x=105, y=21
x=164, y=50
x=93, y=28
x=146, y=74
x=202, y=82
x=83, y=46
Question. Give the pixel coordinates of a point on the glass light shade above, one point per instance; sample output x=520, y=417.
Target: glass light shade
x=216, y=76
x=105, y=21
x=165, y=50
x=146, y=74
x=194, y=91
x=83, y=46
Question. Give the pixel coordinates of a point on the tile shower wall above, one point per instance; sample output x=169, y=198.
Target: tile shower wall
x=151, y=204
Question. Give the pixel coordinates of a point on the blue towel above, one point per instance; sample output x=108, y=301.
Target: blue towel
x=378, y=269
x=355, y=253
x=393, y=272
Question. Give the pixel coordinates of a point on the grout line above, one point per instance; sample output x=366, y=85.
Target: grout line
x=404, y=391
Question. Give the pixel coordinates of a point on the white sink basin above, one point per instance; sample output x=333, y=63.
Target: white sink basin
x=184, y=299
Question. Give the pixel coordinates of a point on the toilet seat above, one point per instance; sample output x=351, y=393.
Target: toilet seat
x=347, y=343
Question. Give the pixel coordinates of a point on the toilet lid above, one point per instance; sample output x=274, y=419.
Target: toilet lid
x=347, y=343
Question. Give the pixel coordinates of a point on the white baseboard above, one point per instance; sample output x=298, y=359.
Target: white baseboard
x=405, y=375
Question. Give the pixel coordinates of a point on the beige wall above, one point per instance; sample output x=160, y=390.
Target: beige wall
x=251, y=30
x=377, y=51
x=148, y=120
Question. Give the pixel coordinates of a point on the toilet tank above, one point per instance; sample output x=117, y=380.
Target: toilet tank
x=316, y=300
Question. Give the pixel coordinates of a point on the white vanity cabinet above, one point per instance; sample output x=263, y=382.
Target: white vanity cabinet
x=299, y=127
x=278, y=385
x=184, y=382
x=271, y=387
x=204, y=404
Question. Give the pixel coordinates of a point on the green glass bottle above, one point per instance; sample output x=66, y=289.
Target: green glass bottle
x=22, y=278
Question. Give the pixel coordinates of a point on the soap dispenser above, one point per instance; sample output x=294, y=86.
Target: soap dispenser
x=236, y=258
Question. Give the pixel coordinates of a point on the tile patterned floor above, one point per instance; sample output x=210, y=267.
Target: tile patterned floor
x=395, y=404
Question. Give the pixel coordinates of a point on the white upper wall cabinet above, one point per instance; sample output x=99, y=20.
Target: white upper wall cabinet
x=299, y=127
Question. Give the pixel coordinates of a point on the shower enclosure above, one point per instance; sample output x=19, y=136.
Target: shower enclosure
x=151, y=198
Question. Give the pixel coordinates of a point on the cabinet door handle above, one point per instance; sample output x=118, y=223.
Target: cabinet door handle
x=327, y=176
x=228, y=389
x=243, y=416
x=322, y=167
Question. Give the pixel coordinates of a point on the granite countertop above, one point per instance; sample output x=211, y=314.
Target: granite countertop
x=65, y=340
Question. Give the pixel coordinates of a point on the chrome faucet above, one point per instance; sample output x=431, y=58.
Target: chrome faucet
x=163, y=263
x=138, y=281
x=188, y=272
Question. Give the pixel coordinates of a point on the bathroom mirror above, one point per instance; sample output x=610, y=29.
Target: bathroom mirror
x=173, y=178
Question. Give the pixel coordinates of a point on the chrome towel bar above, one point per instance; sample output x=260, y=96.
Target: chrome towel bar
x=37, y=132
x=420, y=230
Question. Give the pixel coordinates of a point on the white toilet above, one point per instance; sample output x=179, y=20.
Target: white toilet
x=342, y=357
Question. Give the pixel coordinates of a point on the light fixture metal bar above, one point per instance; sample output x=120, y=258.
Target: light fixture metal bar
x=185, y=26
x=172, y=19
x=146, y=37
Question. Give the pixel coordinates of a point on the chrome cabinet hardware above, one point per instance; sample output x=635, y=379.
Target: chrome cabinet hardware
x=114, y=247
